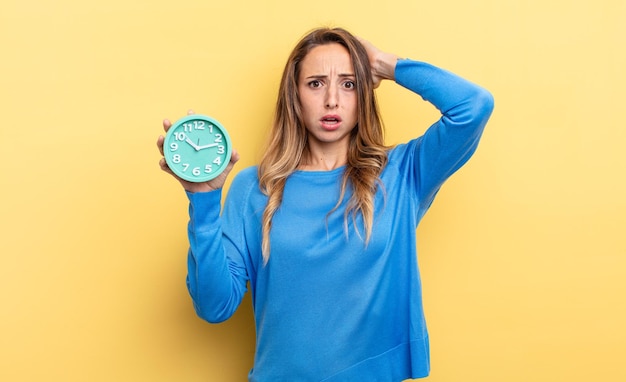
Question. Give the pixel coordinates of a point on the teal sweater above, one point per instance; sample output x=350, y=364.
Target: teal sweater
x=327, y=307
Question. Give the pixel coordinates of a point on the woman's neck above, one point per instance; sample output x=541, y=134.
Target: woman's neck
x=323, y=160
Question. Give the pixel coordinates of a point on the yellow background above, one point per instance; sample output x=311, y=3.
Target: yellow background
x=522, y=254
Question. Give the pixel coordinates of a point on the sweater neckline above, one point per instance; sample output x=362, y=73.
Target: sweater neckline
x=315, y=173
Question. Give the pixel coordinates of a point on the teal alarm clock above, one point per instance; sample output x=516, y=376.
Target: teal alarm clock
x=197, y=148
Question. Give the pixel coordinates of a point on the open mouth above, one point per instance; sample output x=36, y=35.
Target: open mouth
x=331, y=120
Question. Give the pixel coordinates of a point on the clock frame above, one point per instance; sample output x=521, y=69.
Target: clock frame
x=197, y=148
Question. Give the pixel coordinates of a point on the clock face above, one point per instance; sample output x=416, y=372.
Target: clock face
x=197, y=148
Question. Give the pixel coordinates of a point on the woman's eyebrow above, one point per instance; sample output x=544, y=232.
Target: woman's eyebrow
x=322, y=76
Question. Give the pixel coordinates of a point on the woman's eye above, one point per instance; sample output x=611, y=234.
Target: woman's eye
x=349, y=85
x=315, y=84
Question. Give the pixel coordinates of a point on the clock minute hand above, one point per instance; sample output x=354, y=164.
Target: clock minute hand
x=206, y=146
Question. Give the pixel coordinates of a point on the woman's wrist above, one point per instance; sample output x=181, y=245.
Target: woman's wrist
x=385, y=66
x=196, y=188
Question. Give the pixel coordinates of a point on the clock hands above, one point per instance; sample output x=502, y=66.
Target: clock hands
x=197, y=147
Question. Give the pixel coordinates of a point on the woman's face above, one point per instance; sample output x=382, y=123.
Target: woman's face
x=327, y=94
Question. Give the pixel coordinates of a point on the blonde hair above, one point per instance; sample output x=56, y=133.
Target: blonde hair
x=367, y=154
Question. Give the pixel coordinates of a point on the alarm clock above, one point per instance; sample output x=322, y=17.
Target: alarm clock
x=197, y=148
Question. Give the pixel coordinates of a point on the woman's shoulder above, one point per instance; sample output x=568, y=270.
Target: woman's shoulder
x=399, y=152
x=245, y=184
x=246, y=178
x=247, y=175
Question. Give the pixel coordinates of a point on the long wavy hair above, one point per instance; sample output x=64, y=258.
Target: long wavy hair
x=367, y=154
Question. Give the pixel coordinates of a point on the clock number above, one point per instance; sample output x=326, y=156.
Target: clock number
x=196, y=171
x=220, y=149
x=197, y=125
x=218, y=138
x=208, y=168
x=217, y=161
x=185, y=166
x=173, y=146
x=176, y=158
x=180, y=136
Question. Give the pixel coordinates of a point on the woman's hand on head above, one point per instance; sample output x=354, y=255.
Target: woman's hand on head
x=383, y=64
x=211, y=185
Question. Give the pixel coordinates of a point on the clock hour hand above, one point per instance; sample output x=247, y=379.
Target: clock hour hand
x=196, y=147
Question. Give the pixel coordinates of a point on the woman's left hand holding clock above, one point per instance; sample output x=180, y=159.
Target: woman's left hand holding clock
x=211, y=185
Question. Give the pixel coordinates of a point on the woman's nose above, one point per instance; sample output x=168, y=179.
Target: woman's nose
x=331, y=99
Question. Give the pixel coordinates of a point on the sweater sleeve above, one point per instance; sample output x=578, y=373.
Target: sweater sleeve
x=216, y=269
x=449, y=142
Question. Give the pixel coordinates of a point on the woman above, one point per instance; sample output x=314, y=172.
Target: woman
x=324, y=228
